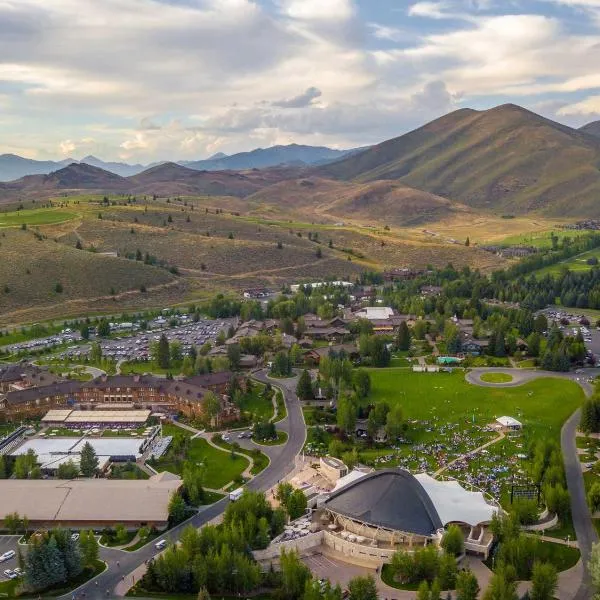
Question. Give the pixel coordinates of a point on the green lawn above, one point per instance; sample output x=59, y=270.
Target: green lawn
x=542, y=405
x=40, y=216
x=111, y=542
x=220, y=466
x=140, y=367
x=496, y=377
x=256, y=404
x=128, y=471
x=575, y=263
x=447, y=417
x=261, y=460
x=527, y=364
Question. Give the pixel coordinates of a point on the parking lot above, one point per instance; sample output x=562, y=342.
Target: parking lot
x=336, y=571
x=7, y=543
x=137, y=346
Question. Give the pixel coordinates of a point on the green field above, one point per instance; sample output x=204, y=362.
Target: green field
x=257, y=405
x=448, y=417
x=542, y=405
x=220, y=467
x=496, y=377
x=40, y=216
x=575, y=263
x=538, y=239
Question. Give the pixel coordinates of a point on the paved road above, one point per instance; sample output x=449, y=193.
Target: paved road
x=582, y=519
x=282, y=462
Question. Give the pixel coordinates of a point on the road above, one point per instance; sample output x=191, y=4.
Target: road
x=582, y=519
x=282, y=462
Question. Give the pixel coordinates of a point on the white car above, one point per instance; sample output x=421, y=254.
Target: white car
x=160, y=545
x=10, y=574
x=8, y=555
x=75, y=537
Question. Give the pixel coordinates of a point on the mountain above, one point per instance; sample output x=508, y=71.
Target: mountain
x=119, y=168
x=294, y=154
x=592, y=128
x=14, y=167
x=506, y=159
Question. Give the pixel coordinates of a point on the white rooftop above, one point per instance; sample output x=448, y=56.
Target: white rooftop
x=376, y=313
x=509, y=422
x=454, y=504
x=118, y=446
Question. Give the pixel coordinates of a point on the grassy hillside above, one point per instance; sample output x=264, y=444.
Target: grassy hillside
x=385, y=202
x=30, y=270
x=506, y=159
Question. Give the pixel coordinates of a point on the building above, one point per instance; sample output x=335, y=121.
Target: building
x=123, y=392
x=392, y=509
x=90, y=503
x=332, y=468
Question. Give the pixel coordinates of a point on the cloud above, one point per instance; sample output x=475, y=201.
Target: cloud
x=430, y=10
x=302, y=100
x=318, y=9
x=588, y=106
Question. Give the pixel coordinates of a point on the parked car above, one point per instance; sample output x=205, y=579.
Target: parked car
x=161, y=544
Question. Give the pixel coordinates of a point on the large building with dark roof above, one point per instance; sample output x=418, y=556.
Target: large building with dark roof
x=378, y=513
x=121, y=392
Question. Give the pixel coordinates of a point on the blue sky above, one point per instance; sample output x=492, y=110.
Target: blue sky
x=146, y=80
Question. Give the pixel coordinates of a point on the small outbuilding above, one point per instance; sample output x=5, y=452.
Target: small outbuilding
x=509, y=424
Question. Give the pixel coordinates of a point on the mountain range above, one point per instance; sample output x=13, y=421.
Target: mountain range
x=505, y=160
x=14, y=167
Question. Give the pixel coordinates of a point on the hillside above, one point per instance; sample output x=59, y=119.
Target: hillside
x=507, y=159
x=383, y=202
x=591, y=128
x=293, y=154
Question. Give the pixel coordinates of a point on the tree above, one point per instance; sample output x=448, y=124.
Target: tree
x=593, y=497
x=361, y=381
x=346, y=415
x=95, y=353
x=281, y=365
x=90, y=549
x=502, y=585
x=296, y=504
x=103, y=328
x=121, y=533
x=88, y=463
x=394, y=425
x=453, y=541
x=234, y=354
x=283, y=493
x=84, y=331
x=467, y=242
x=423, y=591
x=25, y=466
x=362, y=588
x=594, y=569
x=163, y=354
x=12, y=522
x=467, y=587
x=319, y=253
x=294, y=575
x=3, y=470
x=67, y=470
x=304, y=388
x=403, y=337
x=203, y=594
x=544, y=581
x=211, y=405
x=177, y=509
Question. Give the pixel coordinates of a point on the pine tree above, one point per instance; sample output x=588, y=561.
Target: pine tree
x=304, y=389
x=403, y=337
x=2, y=467
x=163, y=354
x=88, y=463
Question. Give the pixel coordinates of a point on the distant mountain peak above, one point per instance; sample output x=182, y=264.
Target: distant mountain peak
x=592, y=128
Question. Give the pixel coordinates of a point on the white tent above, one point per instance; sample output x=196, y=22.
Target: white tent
x=509, y=423
x=454, y=504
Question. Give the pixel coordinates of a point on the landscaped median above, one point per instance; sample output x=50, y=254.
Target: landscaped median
x=261, y=461
x=281, y=438
x=496, y=377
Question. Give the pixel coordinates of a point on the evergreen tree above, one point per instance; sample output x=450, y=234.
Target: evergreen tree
x=403, y=337
x=3, y=470
x=163, y=354
x=544, y=581
x=177, y=509
x=304, y=389
x=88, y=462
x=362, y=588
x=467, y=587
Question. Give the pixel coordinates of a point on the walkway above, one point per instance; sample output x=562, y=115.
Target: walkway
x=501, y=436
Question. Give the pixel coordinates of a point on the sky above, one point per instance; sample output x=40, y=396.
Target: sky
x=147, y=80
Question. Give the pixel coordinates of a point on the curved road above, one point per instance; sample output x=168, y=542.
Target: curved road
x=282, y=462
x=582, y=518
